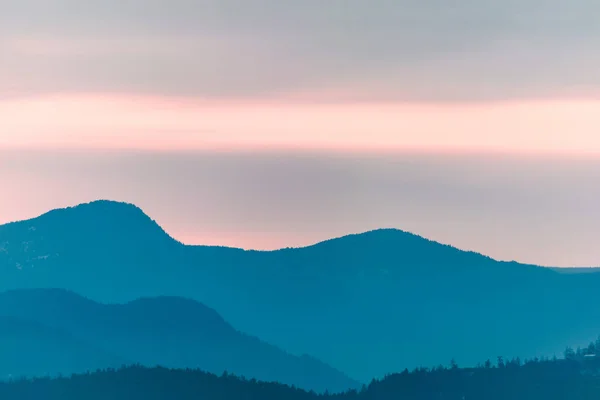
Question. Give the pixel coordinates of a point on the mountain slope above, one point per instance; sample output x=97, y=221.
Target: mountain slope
x=31, y=349
x=168, y=331
x=367, y=304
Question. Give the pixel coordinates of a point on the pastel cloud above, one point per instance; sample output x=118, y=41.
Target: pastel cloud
x=155, y=123
x=343, y=76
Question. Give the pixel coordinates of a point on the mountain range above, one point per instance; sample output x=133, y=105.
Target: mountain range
x=53, y=331
x=366, y=304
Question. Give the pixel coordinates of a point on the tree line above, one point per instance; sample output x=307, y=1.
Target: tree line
x=574, y=376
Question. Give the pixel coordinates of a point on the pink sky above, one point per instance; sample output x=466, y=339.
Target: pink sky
x=509, y=212
x=164, y=123
x=314, y=77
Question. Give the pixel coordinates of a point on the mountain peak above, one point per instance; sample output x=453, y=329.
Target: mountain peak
x=99, y=229
x=103, y=218
x=395, y=240
x=105, y=207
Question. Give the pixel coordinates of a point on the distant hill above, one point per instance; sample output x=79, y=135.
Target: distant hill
x=366, y=304
x=31, y=349
x=167, y=331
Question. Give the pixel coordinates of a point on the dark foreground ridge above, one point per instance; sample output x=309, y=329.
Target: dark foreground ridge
x=573, y=378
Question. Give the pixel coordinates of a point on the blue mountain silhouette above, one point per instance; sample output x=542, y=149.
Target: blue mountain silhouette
x=166, y=331
x=367, y=304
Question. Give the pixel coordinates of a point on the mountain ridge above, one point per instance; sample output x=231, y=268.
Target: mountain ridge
x=121, y=208
x=166, y=331
x=366, y=304
x=112, y=207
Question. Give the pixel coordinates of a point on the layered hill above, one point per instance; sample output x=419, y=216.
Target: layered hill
x=46, y=328
x=366, y=304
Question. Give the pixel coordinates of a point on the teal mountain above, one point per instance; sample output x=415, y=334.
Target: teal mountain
x=46, y=332
x=365, y=304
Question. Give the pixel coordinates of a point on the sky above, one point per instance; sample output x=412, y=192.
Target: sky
x=494, y=105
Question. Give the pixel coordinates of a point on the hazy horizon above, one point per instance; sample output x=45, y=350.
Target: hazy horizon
x=539, y=210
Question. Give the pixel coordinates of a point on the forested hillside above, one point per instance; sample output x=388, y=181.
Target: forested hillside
x=574, y=378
